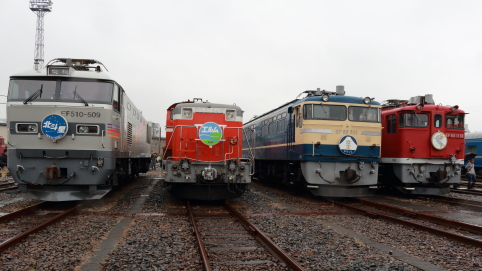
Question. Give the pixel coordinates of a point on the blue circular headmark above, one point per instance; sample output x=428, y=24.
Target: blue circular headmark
x=54, y=127
x=210, y=133
x=348, y=145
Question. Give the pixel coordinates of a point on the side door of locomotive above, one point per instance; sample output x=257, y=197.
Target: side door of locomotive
x=290, y=132
x=115, y=128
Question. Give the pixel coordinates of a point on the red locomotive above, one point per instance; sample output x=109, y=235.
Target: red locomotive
x=2, y=144
x=422, y=146
x=203, y=154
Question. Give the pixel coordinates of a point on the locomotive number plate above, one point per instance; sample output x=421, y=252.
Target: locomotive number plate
x=208, y=110
x=346, y=132
x=80, y=114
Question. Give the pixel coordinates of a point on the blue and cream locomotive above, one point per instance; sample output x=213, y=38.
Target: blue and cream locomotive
x=73, y=132
x=326, y=141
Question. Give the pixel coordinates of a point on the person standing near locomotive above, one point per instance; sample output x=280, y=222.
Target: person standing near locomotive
x=153, y=161
x=470, y=174
x=3, y=164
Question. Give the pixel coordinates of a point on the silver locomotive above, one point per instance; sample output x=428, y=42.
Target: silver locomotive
x=73, y=132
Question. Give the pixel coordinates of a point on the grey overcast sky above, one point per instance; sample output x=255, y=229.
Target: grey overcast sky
x=260, y=54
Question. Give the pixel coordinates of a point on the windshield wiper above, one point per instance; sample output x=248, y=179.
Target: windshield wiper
x=323, y=107
x=416, y=117
x=35, y=95
x=80, y=98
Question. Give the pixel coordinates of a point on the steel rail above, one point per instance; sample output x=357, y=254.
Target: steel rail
x=453, y=236
x=202, y=249
x=430, y=218
x=19, y=213
x=8, y=186
x=469, y=204
x=264, y=240
x=469, y=192
x=5, y=245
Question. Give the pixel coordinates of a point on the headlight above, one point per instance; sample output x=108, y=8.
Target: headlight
x=87, y=129
x=447, y=168
x=187, y=113
x=230, y=114
x=367, y=100
x=325, y=98
x=422, y=168
x=100, y=162
x=27, y=128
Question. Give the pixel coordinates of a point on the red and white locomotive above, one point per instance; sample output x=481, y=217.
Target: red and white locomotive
x=203, y=154
x=423, y=146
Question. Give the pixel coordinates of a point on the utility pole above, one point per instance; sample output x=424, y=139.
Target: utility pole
x=40, y=7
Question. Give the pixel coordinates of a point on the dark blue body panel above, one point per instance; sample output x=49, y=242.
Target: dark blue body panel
x=474, y=145
x=267, y=140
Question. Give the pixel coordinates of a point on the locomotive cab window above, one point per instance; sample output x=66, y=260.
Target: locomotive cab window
x=171, y=114
x=413, y=120
x=365, y=114
x=392, y=124
x=324, y=112
x=116, y=99
x=21, y=90
x=437, y=121
x=454, y=121
x=472, y=148
x=88, y=91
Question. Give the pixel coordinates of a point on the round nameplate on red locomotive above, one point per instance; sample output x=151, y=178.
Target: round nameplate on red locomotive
x=210, y=133
x=348, y=145
x=439, y=140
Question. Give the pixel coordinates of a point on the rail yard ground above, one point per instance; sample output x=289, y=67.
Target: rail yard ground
x=140, y=226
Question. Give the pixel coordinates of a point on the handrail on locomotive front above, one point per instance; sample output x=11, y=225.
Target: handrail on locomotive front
x=196, y=160
x=173, y=131
x=251, y=152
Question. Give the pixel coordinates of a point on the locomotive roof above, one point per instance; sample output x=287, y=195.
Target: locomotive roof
x=177, y=108
x=78, y=68
x=476, y=135
x=333, y=99
x=426, y=107
x=74, y=74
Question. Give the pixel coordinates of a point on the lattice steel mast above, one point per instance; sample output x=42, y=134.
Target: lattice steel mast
x=40, y=7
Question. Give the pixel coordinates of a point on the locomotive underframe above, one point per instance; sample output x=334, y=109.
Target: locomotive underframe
x=339, y=179
x=326, y=179
x=421, y=178
x=191, y=181
x=70, y=174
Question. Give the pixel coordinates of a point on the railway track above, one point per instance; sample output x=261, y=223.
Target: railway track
x=416, y=220
x=19, y=225
x=226, y=238
x=465, y=203
x=9, y=185
x=468, y=192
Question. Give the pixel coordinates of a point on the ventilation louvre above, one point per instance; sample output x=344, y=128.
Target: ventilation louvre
x=129, y=134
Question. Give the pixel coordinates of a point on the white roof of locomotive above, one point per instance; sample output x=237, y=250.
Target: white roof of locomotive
x=473, y=135
x=73, y=74
x=78, y=68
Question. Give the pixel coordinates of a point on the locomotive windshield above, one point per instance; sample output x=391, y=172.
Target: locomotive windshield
x=364, y=114
x=90, y=91
x=454, y=121
x=413, y=120
x=324, y=112
x=22, y=89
